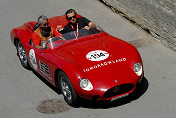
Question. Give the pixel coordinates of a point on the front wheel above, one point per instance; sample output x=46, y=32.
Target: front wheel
x=67, y=90
x=22, y=55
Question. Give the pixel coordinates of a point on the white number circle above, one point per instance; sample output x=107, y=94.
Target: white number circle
x=97, y=55
x=33, y=58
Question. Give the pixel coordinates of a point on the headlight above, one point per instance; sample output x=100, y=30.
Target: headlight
x=85, y=84
x=138, y=69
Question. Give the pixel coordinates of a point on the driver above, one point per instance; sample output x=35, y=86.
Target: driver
x=43, y=32
x=75, y=23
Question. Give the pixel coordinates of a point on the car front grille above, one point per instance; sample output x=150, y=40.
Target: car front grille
x=117, y=90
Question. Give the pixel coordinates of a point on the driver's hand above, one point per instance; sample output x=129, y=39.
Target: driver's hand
x=59, y=28
x=87, y=27
x=44, y=45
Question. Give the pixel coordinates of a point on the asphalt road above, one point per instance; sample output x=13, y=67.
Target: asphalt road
x=23, y=94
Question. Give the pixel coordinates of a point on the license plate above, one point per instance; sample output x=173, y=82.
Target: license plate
x=119, y=97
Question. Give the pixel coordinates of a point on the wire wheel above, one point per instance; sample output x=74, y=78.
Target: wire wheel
x=67, y=90
x=22, y=55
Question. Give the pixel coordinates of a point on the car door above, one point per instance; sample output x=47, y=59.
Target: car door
x=39, y=60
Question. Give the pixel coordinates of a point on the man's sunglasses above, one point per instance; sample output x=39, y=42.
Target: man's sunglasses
x=72, y=17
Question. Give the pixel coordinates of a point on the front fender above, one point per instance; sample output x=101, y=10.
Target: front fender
x=73, y=71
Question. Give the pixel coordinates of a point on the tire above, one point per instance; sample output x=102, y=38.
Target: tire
x=22, y=55
x=67, y=90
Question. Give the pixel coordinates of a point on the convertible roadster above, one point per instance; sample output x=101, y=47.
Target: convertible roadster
x=92, y=65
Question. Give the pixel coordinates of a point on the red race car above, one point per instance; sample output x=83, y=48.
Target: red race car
x=93, y=65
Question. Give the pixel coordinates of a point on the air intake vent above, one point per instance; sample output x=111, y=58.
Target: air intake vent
x=117, y=90
x=44, y=68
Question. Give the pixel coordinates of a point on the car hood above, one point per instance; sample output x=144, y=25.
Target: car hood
x=104, y=60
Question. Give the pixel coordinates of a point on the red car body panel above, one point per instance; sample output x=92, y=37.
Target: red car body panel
x=70, y=57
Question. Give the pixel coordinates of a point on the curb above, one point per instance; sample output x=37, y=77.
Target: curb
x=155, y=16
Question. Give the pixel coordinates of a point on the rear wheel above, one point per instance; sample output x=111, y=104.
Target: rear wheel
x=67, y=90
x=22, y=55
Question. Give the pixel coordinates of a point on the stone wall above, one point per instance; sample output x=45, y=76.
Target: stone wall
x=156, y=16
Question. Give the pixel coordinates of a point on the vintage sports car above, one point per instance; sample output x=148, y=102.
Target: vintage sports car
x=93, y=65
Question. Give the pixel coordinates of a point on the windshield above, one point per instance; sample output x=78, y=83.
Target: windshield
x=81, y=33
x=53, y=42
x=57, y=41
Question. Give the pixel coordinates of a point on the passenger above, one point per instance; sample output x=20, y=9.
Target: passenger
x=43, y=32
x=75, y=23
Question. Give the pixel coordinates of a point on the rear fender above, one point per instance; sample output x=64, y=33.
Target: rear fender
x=21, y=33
